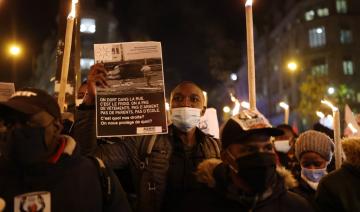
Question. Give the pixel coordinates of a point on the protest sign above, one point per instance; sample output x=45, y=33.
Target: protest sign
x=134, y=101
x=209, y=122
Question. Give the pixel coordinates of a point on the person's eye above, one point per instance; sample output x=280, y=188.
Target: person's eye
x=177, y=98
x=305, y=164
x=195, y=99
x=317, y=164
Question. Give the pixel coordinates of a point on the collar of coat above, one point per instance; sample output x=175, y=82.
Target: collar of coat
x=200, y=135
x=205, y=174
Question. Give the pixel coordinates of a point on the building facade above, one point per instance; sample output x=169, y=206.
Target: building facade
x=96, y=25
x=307, y=37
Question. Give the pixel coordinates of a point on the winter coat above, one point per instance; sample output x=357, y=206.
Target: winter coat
x=162, y=178
x=74, y=184
x=220, y=195
x=340, y=189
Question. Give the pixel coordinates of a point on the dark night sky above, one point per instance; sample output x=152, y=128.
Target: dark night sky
x=191, y=31
x=29, y=23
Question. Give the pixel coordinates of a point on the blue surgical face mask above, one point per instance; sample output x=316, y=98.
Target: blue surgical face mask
x=185, y=118
x=313, y=175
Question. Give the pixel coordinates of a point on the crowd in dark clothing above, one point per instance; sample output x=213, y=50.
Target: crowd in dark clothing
x=184, y=170
x=43, y=170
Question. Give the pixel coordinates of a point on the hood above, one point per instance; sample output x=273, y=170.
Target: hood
x=351, y=147
x=205, y=171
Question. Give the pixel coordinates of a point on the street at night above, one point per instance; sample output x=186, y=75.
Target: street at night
x=206, y=105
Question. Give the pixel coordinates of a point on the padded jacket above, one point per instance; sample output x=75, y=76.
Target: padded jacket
x=161, y=178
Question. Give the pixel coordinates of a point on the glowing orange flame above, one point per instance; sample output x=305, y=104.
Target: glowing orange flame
x=72, y=13
x=284, y=105
x=248, y=3
x=320, y=114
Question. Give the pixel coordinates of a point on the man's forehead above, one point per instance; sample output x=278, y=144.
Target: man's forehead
x=188, y=89
x=187, y=86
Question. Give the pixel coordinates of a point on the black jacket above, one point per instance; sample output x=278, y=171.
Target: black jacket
x=161, y=179
x=219, y=195
x=74, y=183
x=340, y=190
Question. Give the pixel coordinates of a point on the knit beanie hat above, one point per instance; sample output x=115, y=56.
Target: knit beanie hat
x=314, y=141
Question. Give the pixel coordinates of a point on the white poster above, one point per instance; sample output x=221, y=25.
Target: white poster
x=134, y=101
x=209, y=122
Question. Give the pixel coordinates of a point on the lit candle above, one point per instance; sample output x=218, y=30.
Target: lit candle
x=66, y=56
x=286, y=111
x=236, y=108
x=337, y=133
x=205, y=98
x=320, y=114
x=250, y=54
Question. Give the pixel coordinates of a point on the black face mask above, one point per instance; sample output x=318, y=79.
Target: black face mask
x=26, y=145
x=257, y=170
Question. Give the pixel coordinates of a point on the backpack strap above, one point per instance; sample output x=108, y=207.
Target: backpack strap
x=146, y=151
x=105, y=179
x=216, y=145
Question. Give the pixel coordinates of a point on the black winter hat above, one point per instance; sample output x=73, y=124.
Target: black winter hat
x=245, y=124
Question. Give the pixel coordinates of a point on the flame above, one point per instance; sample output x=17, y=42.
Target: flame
x=236, y=109
x=320, y=114
x=205, y=93
x=72, y=13
x=333, y=108
x=233, y=99
x=352, y=128
x=167, y=106
x=284, y=105
x=248, y=3
x=205, y=97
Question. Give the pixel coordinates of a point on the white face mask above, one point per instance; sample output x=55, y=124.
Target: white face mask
x=282, y=146
x=185, y=118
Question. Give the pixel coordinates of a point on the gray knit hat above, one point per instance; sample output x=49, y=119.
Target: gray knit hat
x=314, y=141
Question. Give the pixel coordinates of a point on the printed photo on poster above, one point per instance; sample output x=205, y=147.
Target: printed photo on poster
x=134, y=101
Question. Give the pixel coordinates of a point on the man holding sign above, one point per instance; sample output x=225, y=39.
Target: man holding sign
x=162, y=166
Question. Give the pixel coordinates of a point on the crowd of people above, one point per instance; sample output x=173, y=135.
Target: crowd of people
x=252, y=167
